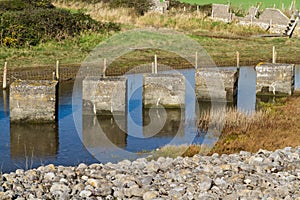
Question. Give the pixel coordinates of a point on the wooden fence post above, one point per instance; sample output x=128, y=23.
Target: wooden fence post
x=5, y=76
x=57, y=70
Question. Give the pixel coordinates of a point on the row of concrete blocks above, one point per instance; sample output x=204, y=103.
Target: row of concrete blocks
x=36, y=100
x=109, y=94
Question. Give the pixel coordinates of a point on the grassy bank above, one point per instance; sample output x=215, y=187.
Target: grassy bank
x=221, y=40
x=222, y=50
x=67, y=51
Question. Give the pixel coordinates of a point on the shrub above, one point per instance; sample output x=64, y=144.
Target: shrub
x=17, y=5
x=31, y=26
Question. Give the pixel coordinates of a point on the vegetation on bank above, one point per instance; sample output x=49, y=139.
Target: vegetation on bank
x=275, y=126
x=31, y=22
x=221, y=40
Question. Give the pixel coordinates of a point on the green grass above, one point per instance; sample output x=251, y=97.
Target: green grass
x=252, y=50
x=247, y=4
x=222, y=51
x=73, y=50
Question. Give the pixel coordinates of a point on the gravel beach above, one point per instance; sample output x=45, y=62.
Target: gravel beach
x=263, y=175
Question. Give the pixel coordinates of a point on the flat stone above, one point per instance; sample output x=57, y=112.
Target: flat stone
x=150, y=195
x=85, y=193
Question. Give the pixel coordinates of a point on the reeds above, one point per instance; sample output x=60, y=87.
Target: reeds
x=232, y=120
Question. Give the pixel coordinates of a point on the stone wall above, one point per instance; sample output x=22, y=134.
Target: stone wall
x=33, y=101
x=104, y=95
x=275, y=78
x=222, y=84
x=167, y=90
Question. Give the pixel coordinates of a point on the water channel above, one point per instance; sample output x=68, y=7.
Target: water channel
x=70, y=142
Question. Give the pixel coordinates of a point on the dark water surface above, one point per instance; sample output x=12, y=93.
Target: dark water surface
x=28, y=146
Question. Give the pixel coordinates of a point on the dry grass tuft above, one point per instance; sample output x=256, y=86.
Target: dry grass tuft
x=101, y=11
x=233, y=120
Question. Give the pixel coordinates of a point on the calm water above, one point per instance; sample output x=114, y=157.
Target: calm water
x=104, y=138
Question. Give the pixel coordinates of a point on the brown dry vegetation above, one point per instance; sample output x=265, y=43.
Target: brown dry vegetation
x=277, y=127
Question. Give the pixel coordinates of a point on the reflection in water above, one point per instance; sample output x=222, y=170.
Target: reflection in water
x=103, y=131
x=33, y=140
x=247, y=90
x=159, y=122
x=5, y=104
x=297, y=77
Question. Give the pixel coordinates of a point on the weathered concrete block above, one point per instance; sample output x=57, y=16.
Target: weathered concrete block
x=160, y=6
x=275, y=79
x=214, y=78
x=167, y=90
x=33, y=101
x=104, y=95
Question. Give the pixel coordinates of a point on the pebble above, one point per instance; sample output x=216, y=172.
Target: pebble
x=262, y=175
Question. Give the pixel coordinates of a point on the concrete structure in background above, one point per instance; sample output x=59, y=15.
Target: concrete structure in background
x=33, y=101
x=252, y=13
x=273, y=16
x=209, y=84
x=221, y=12
x=104, y=95
x=167, y=90
x=276, y=79
x=271, y=19
x=160, y=6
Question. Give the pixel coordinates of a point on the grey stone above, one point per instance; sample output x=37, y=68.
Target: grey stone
x=50, y=176
x=150, y=195
x=85, y=193
x=59, y=187
x=205, y=184
x=147, y=180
